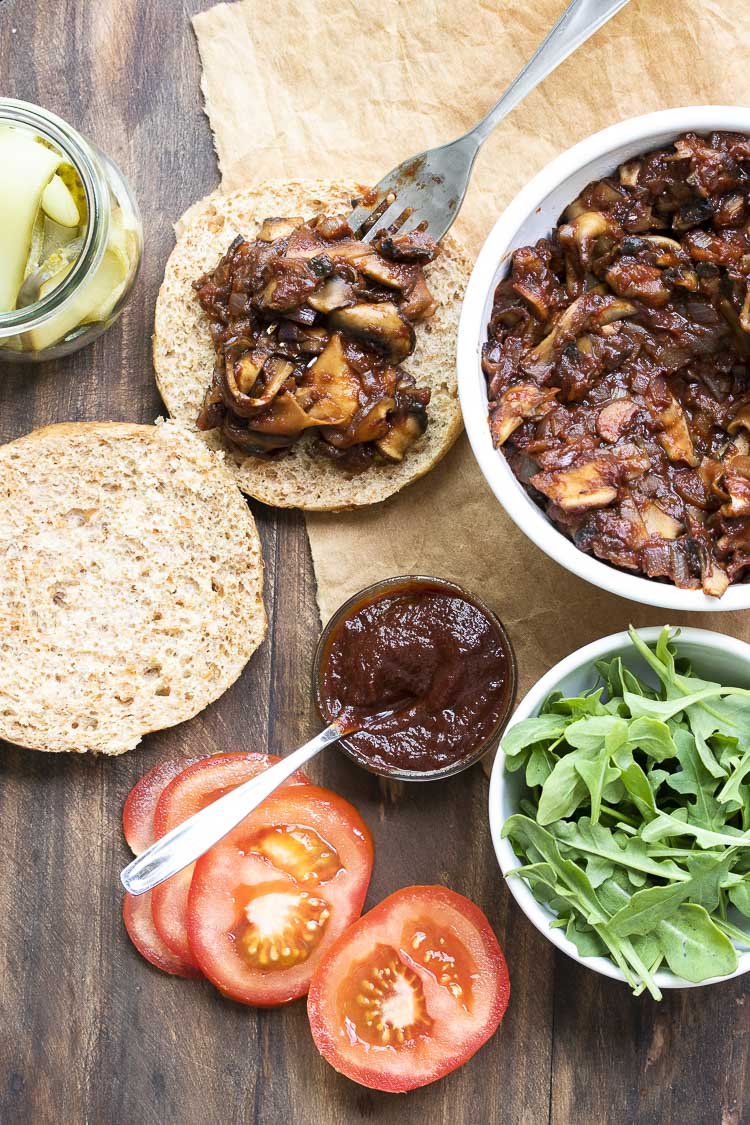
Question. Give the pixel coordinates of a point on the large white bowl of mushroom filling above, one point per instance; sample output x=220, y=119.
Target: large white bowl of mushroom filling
x=604, y=359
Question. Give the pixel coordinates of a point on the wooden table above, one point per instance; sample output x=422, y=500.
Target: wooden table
x=88, y=1031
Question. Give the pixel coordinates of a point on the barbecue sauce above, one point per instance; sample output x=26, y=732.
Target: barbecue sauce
x=427, y=672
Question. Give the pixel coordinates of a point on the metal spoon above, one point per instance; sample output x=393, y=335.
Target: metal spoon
x=191, y=839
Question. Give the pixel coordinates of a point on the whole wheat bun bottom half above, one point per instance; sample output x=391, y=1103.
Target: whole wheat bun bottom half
x=131, y=577
x=184, y=355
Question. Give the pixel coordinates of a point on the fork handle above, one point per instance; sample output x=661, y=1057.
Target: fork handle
x=577, y=23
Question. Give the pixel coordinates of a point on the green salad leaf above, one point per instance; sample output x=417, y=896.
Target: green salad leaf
x=635, y=827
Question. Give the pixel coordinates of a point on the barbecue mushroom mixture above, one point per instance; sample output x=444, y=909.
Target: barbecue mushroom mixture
x=618, y=365
x=310, y=326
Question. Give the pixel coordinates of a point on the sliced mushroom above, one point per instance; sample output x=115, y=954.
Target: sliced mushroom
x=419, y=303
x=741, y=419
x=332, y=386
x=250, y=441
x=381, y=325
x=247, y=371
x=711, y=473
x=372, y=265
x=416, y=246
x=629, y=173
x=276, y=372
x=581, y=487
x=740, y=447
x=373, y=424
x=271, y=229
x=737, y=484
x=608, y=311
x=615, y=417
x=288, y=291
x=212, y=411
x=284, y=416
x=714, y=578
x=630, y=278
x=745, y=314
x=584, y=230
x=675, y=437
x=670, y=245
x=335, y=293
x=659, y=523
x=401, y=434
x=304, y=244
x=519, y=403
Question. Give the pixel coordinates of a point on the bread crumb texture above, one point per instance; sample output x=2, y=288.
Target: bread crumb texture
x=184, y=355
x=132, y=578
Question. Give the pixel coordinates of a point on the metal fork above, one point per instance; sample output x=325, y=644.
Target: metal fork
x=427, y=190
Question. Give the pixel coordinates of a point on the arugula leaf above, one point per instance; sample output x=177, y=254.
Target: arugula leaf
x=598, y=731
x=622, y=851
x=646, y=909
x=577, y=706
x=539, y=766
x=694, y=947
x=539, y=729
x=638, y=786
x=584, y=937
x=563, y=791
x=569, y=875
x=739, y=896
x=731, y=790
x=653, y=737
x=695, y=780
x=666, y=824
x=597, y=774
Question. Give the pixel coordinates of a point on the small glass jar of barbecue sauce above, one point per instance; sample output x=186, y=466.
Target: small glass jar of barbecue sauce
x=421, y=671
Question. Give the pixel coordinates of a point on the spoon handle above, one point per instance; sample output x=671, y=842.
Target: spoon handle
x=189, y=840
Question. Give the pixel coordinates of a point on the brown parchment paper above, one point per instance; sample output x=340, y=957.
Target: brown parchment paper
x=345, y=88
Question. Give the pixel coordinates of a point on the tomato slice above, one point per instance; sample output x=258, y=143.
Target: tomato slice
x=269, y=900
x=136, y=914
x=410, y=992
x=140, y=805
x=194, y=788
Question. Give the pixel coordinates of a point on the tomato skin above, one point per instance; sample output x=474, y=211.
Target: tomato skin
x=211, y=777
x=214, y=888
x=136, y=914
x=380, y=1068
x=191, y=790
x=140, y=803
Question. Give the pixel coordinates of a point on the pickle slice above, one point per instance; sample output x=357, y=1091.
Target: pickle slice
x=59, y=204
x=26, y=167
x=116, y=263
x=93, y=302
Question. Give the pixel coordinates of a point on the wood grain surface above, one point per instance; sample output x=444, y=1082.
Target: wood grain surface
x=88, y=1031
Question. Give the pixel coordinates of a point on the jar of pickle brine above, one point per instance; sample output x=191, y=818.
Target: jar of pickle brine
x=70, y=236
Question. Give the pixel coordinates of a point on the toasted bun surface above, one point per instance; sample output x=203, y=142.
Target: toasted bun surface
x=131, y=582
x=184, y=355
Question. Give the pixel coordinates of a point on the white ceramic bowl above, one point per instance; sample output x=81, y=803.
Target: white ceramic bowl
x=712, y=655
x=532, y=215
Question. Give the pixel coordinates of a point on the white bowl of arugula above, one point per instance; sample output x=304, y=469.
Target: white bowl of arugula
x=620, y=807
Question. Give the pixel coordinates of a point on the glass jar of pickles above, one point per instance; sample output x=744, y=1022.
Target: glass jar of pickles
x=70, y=236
